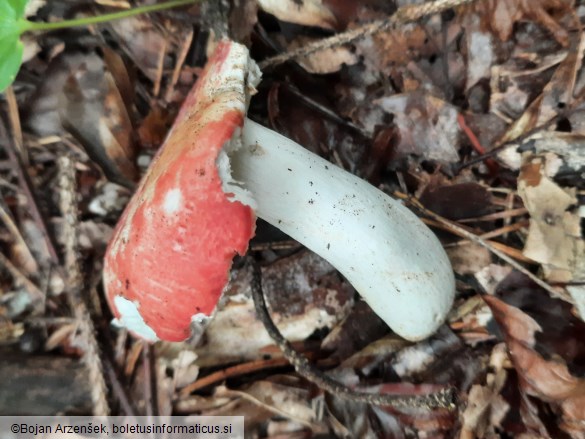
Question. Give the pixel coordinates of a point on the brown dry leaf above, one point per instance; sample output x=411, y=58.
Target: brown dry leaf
x=324, y=61
x=480, y=52
x=243, y=17
x=93, y=110
x=500, y=16
x=42, y=109
x=355, y=332
x=491, y=276
x=428, y=126
x=469, y=258
x=396, y=47
x=486, y=408
x=549, y=380
x=154, y=127
x=283, y=400
x=556, y=96
x=304, y=293
x=554, y=237
x=144, y=43
x=457, y=201
x=558, y=93
x=508, y=94
x=305, y=12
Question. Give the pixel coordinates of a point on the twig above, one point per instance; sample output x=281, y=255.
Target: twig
x=27, y=258
x=160, y=64
x=150, y=400
x=441, y=399
x=14, y=118
x=505, y=214
x=230, y=372
x=117, y=388
x=478, y=240
x=86, y=329
x=181, y=57
x=475, y=143
x=27, y=187
x=494, y=234
x=405, y=14
x=37, y=295
x=510, y=251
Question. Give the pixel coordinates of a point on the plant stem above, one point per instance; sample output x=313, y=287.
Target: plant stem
x=42, y=26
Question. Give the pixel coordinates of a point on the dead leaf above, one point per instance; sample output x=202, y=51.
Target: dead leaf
x=154, y=127
x=305, y=12
x=428, y=126
x=469, y=259
x=282, y=400
x=93, y=110
x=555, y=97
x=500, y=16
x=458, y=201
x=384, y=50
x=554, y=238
x=325, y=61
x=547, y=379
x=304, y=294
x=480, y=52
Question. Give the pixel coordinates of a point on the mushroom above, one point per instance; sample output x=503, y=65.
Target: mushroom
x=170, y=256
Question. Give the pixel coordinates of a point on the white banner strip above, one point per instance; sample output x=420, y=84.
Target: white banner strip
x=122, y=427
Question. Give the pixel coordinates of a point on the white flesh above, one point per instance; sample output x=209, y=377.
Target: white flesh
x=389, y=256
x=132, y=320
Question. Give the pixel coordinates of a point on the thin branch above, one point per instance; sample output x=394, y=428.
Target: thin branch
x=118, y=389
x=478, y=240
x=14, y=117
x=234, y=371
x=26, y=258
x=91, y=357
x=442, y=399
x=27, y=187
x=37, y=296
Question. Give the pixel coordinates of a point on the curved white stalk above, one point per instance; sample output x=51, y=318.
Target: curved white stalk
x=389, y=256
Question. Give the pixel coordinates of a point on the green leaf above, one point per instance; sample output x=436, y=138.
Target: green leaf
x=11, y=51
x=11, y=48
x=14, y=7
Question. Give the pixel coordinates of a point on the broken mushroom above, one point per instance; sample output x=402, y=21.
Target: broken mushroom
x=169, y=259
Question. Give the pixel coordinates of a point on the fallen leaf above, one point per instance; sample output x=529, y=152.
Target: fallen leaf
x=554, y=238
x=305, y=12
x=428, y=126
x=324, y=61
x=500, y=16
x=469, y=258
x=93, y=110
x=458, y=201
x=548, y=379
x=304, y=293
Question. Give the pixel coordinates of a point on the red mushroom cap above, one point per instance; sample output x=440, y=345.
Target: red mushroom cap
x=171, y=252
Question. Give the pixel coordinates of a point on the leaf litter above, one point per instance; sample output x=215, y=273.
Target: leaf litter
x=476, y=112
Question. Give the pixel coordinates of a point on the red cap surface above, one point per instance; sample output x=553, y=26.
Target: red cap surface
x=171, y=252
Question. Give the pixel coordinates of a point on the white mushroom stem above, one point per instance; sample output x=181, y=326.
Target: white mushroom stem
x=389, y=256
